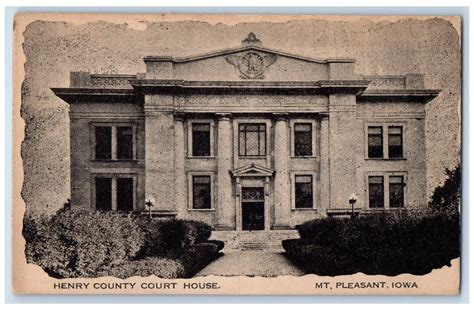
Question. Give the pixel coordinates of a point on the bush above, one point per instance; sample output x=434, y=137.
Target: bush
x=78, y=242
x=85, y=243
x=387, y=244
x=447, y=197
x=220, y=244
x=158, y=266
x=171, y=237
x=203, y=231
x=198, y=256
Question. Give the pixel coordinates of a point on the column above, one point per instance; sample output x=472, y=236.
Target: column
x=114, y=193
x=267, y=204
x=324, y=185
x=114, y=142
x=180, y=176
x=225, y=207
x=282, y=189
x=238, y=204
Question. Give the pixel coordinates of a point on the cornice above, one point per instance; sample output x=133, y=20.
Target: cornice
x=292, y=87
x=411, y=95
x=92, y=95
x=238, y=50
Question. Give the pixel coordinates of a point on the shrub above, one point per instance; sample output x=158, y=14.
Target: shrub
x=377, y=244
x=158, y=266
x=78, y=242
x=198, y=256
x=203, y=231
x=448, y=196
x=171, y=237
x=220, y=244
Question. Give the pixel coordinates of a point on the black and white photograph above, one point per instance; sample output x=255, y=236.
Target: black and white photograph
x=214, y=154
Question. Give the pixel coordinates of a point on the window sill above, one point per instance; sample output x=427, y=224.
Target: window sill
x=384, y=209
x=304, y=157
x=387, y=159
x=253, y=157
x=201, y=157
x=202, y=210
x=114, y=160
x=304, y=209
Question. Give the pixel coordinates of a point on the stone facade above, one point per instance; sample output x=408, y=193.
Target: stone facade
x=253, y=165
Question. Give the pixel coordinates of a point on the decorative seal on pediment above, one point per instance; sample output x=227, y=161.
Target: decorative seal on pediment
x=252, y=65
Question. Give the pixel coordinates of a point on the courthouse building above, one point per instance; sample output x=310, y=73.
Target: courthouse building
x=247, y=138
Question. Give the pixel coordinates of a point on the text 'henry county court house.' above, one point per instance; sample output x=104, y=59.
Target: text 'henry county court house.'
x=247, y=138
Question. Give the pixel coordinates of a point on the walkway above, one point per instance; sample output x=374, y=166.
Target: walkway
x=251, y=263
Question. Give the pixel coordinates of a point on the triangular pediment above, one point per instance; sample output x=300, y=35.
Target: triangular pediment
x=241, y=49
x=250, y=61
x=252, y=171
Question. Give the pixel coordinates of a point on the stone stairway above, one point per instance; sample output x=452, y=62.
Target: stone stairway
x=254, y=240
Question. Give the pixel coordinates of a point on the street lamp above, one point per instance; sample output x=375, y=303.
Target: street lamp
x=150, y=202
x=352, y=201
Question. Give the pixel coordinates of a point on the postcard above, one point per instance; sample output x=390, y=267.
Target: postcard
x=236, y=154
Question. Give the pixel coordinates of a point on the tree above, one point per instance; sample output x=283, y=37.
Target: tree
x=447, y=197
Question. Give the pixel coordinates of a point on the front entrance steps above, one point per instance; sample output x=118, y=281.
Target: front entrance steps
x=259, y=240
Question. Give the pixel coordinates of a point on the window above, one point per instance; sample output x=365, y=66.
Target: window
x=385, y=141
x=396, y=185
x=303, y=191
x=125, y=194
x=103, y=194
x=252, y=140
x=201, y=139
x=114, y=143
x=103, y=142
x=121, y=188
x=124, y=143
x=375, y=141
x=387, y=190
x=201, y=192
x=303, y=139
x=376, y=192
x=395, y=142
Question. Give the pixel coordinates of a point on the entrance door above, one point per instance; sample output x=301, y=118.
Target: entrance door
x=253, y=208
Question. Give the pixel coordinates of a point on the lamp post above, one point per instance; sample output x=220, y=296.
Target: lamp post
x=150, y=202
x=352, y=201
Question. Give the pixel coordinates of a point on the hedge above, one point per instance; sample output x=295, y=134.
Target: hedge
x=171, y=237
x=388, y=244
x=158, y=266
x=78, y=242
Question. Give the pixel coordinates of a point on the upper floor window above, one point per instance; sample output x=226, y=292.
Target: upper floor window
x=124, y=142
x=252, y=140
x=303, y=191
x=395, y=141
x=201, y=145
x=201, y=192
x=103, y=142
x=114, y=143
x=375, y=142
x=303, y=134
x=385, y=141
